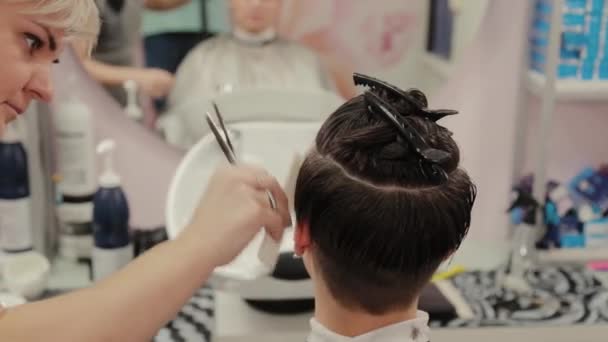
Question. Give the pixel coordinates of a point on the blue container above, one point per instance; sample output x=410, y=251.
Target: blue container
x=14, y=178
x=538, y=57
x=576, y=4
x=15, y=205
x=539, y=41
x=573, y=19
x=569, y=54
x=543, y=7
x=542, y=26
x=567, y=71
x=595, y=26
x=597, y=6
x=111, y=218
x=572, y=240
x=575, y=39
x=591, y=52
x=587, y=71
x=113, y=249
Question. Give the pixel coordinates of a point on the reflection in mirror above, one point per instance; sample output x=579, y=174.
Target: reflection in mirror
x=313, y=46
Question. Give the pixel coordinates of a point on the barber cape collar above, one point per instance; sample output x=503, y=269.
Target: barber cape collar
x=257, y=39
x=415, y=330
x=376, y=98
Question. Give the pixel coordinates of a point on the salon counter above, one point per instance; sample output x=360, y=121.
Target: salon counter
x=236, y=321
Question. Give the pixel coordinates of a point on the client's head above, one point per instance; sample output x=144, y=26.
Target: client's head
x=374, y=221
x=255, y=16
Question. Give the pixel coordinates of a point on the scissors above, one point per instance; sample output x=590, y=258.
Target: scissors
x=226, y=144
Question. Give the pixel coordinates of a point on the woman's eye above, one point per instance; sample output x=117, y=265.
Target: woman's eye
x=33, y=42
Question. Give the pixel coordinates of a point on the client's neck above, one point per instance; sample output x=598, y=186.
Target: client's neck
x=347, y=322
x=261, y=37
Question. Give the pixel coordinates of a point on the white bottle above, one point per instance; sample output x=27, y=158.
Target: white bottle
x=132, y=109
x=76, y=150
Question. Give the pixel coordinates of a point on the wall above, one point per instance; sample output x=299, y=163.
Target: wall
x=578, y=138
x=433, y=71
x=485, y=86
x=383, y=38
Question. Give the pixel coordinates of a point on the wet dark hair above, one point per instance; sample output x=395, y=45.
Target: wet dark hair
x=379, y=225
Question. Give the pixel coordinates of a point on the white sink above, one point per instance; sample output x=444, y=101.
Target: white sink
x=269, y=144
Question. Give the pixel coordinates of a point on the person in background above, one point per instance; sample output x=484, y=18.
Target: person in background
x=376, y=217
x=114, y=58
x=133, y=304
x=251, y=56
x=171, y=34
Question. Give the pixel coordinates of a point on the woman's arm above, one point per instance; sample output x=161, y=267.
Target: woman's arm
x=133, y=304
x=129, y=306
x=153, y=82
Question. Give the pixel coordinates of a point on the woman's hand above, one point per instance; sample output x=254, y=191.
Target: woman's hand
x=233, y=210
x=155, y=83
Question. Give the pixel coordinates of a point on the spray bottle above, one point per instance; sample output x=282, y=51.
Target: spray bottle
x=113, y=248
x=15, y=197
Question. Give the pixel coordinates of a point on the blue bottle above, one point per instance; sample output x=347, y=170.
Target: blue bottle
x=113, y=248
x=15, y=199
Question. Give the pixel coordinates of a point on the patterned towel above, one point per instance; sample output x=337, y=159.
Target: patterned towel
x=195, y=321
x=561, y=296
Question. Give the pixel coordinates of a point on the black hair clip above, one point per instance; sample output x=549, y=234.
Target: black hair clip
x=414, y=97
x=430, y=158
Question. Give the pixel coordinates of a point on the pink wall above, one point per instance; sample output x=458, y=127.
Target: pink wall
x=579, y=138
x=485, y=87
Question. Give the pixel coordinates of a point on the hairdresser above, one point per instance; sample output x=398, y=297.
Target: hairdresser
x=114, y=59
x=133, y=304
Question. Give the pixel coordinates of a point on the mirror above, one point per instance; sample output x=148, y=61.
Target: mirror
x=415, y=43
x=219, y=47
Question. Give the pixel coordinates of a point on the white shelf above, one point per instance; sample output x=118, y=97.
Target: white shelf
x=572, y=255
x=570, y=89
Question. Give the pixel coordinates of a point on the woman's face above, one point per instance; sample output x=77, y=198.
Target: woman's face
x=27, y=52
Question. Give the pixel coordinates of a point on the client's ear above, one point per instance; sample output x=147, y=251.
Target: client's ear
x=301, y=238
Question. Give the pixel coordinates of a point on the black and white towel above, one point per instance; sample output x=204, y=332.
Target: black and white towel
x=195, y=321
x=561, y=296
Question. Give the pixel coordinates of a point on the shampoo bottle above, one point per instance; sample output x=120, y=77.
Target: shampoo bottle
x=113, y=248
x=15, y=197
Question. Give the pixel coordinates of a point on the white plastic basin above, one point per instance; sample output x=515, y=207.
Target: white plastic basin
x=269, y=144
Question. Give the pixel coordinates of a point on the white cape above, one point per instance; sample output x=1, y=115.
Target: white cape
x=225, y=64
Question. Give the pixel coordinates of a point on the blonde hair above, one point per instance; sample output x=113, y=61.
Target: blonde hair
x=79, y=18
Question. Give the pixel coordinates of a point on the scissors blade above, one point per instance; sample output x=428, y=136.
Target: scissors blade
x=223, y=126
x=220, y=140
